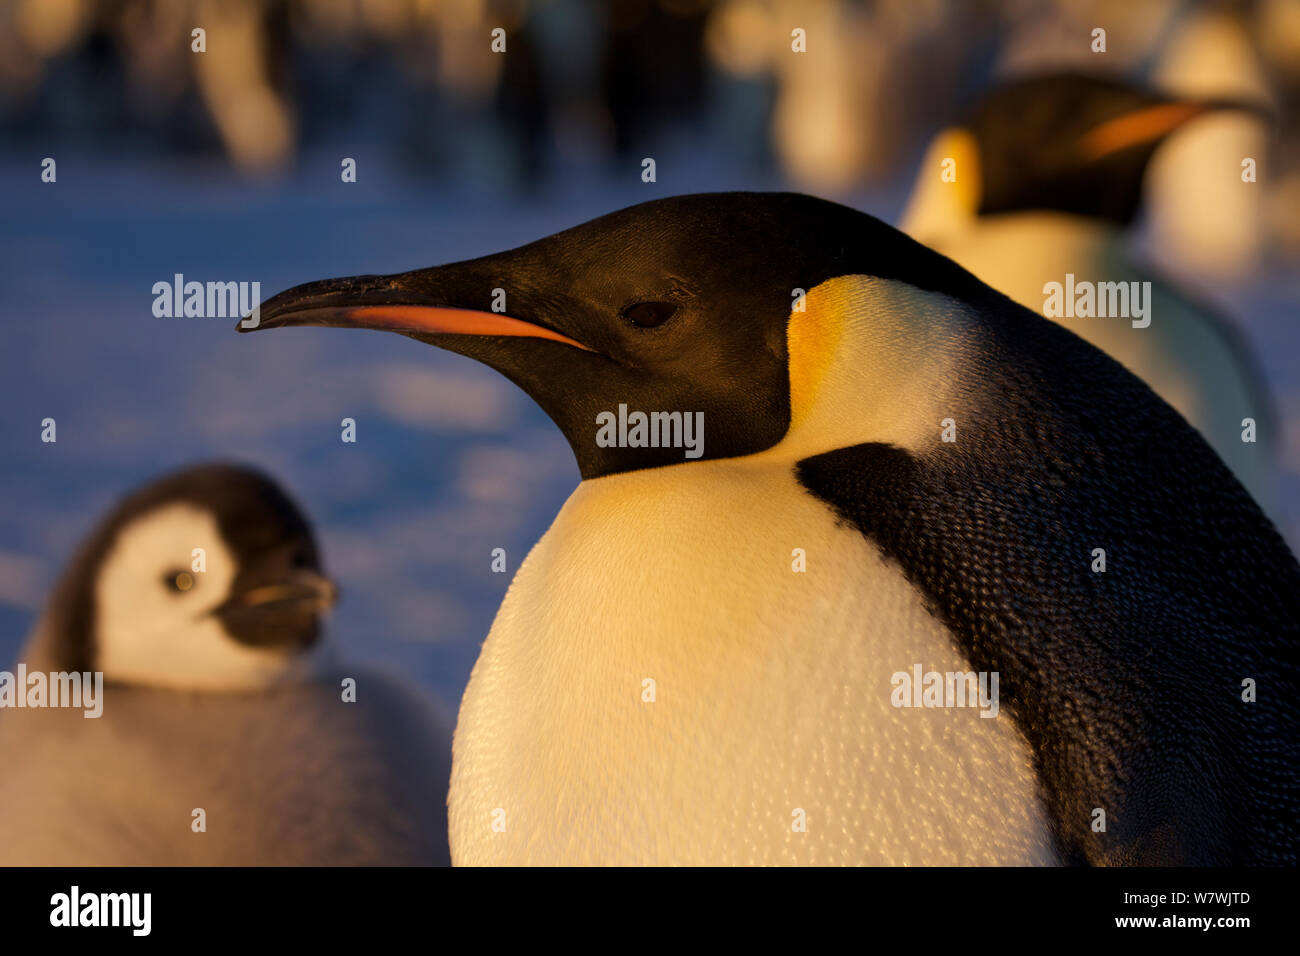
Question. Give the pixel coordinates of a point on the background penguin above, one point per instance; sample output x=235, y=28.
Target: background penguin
x=662, y=684
x=218, y=694
x=1049, y=173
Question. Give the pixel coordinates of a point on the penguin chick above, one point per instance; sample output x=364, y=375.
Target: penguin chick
x=1048, y=177
x=224, y=736
x=892, y=469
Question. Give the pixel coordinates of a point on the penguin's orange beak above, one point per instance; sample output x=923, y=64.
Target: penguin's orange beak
x=1152, y=124
x=385, y=304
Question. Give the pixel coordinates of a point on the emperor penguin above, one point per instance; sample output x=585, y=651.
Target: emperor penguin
x=1040, y=182
x=225, y=731
x=817, y=459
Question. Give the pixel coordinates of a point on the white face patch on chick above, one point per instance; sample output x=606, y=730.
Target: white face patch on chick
x=155, y=620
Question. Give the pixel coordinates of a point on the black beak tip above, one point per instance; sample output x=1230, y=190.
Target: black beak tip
x=263, y=318
x=319, y=302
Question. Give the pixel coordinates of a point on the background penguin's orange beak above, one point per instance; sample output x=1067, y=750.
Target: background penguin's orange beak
x=1153, y=123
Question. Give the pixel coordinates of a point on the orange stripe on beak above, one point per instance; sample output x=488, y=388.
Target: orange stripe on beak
x=1141, y=126
x=425, y=318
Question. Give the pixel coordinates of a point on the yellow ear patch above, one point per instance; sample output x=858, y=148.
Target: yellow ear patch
x=946, y=196
x=812, y=336
x=959, y=146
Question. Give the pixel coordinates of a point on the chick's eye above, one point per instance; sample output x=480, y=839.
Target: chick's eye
x=178, y=580
x=649, y=315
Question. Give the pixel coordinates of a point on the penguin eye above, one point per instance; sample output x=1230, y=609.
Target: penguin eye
x=649, y=315
x=178, y=580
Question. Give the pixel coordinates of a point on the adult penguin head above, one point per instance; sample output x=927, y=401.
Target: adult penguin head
x=1061, y=142
x=691, y=305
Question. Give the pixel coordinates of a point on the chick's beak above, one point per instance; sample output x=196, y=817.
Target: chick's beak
x=281, y=610
x=302, y=588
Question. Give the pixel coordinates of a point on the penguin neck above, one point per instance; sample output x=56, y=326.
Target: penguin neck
x=872, y=360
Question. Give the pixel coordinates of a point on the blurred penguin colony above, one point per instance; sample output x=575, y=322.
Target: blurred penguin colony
x=832, y=96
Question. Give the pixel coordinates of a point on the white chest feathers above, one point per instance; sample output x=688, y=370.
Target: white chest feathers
x=660, y=686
